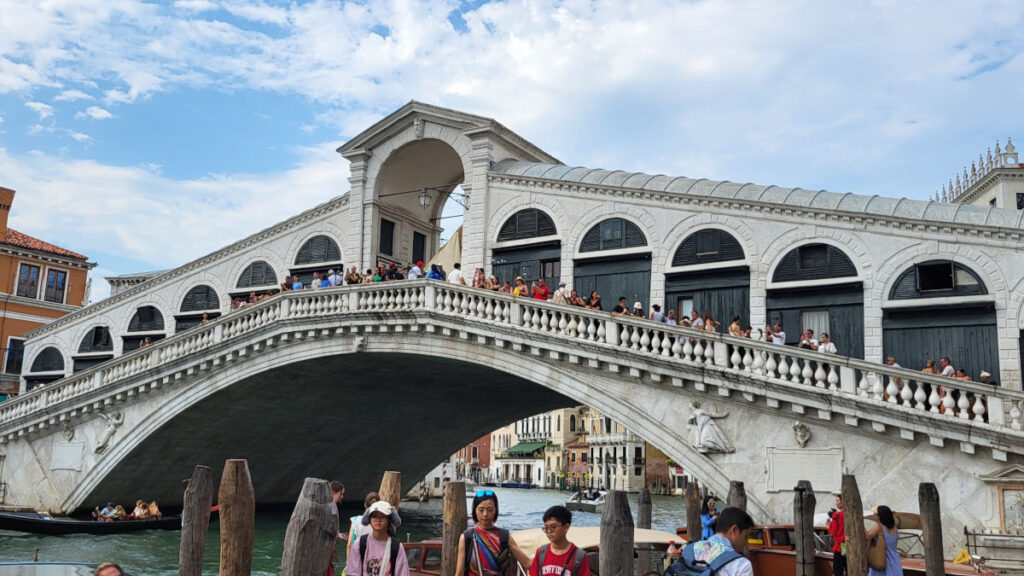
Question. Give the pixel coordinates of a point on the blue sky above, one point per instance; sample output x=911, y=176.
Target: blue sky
x=146, y=134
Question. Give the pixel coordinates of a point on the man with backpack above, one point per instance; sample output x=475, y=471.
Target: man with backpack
x=721, y=554
x=560, y=557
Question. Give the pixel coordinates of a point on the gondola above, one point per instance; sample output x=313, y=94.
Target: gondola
x=36, y=523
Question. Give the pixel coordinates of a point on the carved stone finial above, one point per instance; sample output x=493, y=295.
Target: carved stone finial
x=801, y=433
x=69, y=432
x=988, y=163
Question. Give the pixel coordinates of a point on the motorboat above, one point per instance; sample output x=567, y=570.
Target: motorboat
x=583, y=501
x=41, y=523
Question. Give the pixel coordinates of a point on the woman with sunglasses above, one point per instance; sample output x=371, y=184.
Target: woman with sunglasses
x=484, y=549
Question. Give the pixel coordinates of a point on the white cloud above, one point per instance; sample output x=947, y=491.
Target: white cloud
x=195, y=5
x=44, y=110
x=146, y=217
x=95, y=112
x=71, y=96
x=79, y=137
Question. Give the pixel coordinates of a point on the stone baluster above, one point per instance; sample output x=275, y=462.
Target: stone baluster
x=783, y=367
x=667, y=345
x=634, y=337
x=770, y=365
x=907, y=395
x=934, y=400
x=645, y=338
x=709, y=353
x=545, y=320
x=601, y=333
x=527, y=316
x=794, y=370
x=748, y=359
x=949, y=406
x=735, y=360
x=820, y=376
x=758, y=366
x=876, y=386
x=535, y=318
x=655, y=342
x=563, y=325
x=807, y=373
x=833, y=378
x=921, y=397
x=677, y=347
x=963, y=405
x=891, y=390
x=979, y=408
x=698, y=350
x=1016, y=415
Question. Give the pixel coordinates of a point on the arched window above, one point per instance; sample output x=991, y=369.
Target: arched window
x=96, y=340
x=611, y=234
x=258, y=273
x=201, y=297
x=937, y=279
x=146, y=319
x=49, y=360
x=814, y=262
x=707, y=246
x=572, y=423
x=528, y=223
x=318, y=249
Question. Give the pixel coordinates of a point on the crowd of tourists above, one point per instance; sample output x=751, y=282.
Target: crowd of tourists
x=113, y=512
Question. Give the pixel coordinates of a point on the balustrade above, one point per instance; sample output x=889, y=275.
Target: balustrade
x=884, y=386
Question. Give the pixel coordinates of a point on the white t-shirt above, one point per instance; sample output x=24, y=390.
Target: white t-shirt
x=829, y=348
x=779, y=337
x=809, y=343
x=949, y=371
x=697, y=323
x=415, y=272
x=455, y=276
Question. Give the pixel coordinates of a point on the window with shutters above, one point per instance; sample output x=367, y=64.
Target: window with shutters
x=613, y=234
x=55, y=283
x=258, y=273
x=387, y=237
x=146, y=319
x=937, y=279
x=707, y=246
x=419, y=247
x=28, y=281
x=49, y=360
x=201, y=297
x=318, y=249
x=15, y=355
x=96, y=340
x=814, y=262
x=528, y=223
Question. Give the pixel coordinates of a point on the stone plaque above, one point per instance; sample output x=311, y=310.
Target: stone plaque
x=823, y=467
x=67, y=456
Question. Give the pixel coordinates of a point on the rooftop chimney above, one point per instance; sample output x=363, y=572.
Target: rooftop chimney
x=6, y=199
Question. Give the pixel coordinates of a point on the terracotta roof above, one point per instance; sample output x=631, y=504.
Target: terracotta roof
x=15, y=238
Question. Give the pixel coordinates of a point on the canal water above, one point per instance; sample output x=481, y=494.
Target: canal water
x=155, y=552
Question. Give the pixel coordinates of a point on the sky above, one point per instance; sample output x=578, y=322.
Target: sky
x=147, y=134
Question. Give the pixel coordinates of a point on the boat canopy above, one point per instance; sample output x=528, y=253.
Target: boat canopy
x=589, y=537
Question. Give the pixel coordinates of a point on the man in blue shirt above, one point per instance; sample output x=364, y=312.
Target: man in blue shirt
x=731, y=533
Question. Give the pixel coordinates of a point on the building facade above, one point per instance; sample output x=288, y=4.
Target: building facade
x=42, y=283
x=617, y=456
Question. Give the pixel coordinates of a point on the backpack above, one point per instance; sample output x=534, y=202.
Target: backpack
x=503, y=555
x=688, y=566
x=395, y=543
x=577, y=559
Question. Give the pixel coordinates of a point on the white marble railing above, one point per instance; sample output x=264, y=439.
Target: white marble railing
x=875, y=387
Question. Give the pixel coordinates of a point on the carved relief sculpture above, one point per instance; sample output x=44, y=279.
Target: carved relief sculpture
x=705, y=435
x=114, y=421
x=801, y=433
x=419, y=126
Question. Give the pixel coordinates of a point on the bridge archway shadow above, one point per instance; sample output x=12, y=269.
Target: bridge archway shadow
x=345, y=417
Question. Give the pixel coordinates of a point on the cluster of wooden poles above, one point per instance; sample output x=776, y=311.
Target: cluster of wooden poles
x=313, y=528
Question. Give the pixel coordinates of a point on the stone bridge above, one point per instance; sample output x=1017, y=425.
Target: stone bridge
x=345, y=382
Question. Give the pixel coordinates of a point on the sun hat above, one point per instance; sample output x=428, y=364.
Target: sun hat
x=383, y=507
x=637, y=305
x=986, y=375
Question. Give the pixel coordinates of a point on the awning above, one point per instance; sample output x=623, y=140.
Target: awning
x=526, y=448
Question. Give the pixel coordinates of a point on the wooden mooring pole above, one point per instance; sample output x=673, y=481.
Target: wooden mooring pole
x=931, y=524
x=237, y=503
x=693, y=527
x=312, y=531
x=853, y=522
x=803, y=522
x=616, y=552
x=737, y=495
x=391, y=488
x=195, y=522
x=643, y=520
x=455, y=524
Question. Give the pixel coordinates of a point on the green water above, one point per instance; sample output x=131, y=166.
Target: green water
x=156, y=552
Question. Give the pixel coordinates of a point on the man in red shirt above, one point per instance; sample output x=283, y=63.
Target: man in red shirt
x=838, y=532
x=560, y=557
x=541, y=291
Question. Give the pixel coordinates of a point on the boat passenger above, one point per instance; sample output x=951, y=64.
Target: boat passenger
x=484, y=549
x=141, y=510
x=107, y=514
x=119, y=513
x=108, y=569
x=379, y=553
x=154, y=510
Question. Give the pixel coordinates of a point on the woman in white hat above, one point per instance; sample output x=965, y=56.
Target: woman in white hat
x=379, y=553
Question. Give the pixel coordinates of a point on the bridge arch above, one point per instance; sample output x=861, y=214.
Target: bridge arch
x=329, y=232
x=704, y=221
x=612, y=396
